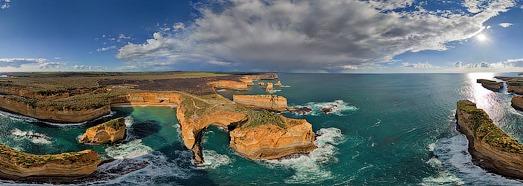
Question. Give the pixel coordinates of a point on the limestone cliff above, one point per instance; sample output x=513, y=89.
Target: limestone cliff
x=235, y=85
x=269, y=87
x=108, y=132
x=491, y=85
x=278, y=84
x=490, y=147
x=51, y=113
x=271, y=102
x=63, y=167
x=273, y=141
x=264, y=76
x=517, y=103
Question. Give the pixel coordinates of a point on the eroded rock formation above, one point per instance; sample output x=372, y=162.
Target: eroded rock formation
x=271, y=102
x=235, y=85
x=63, y=167
x=517, y=103
x=491, y=85
x=278, y=84
x=108, y=132
x=490, y=147
x=269, y=87
x=273, y=141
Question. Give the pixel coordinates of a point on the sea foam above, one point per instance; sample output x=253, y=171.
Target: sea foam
x=338, y=107
x=34, y=137
x=309, y=168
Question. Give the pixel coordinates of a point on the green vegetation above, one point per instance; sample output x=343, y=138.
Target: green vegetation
x=116, y=124
x=263, y=117
x=485, y=130
x=30, y=160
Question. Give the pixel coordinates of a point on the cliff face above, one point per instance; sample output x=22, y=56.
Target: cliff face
x=271, y=102
x=147, y=98
x=108, y=132
x=269, y=87
x=491, y=85
x=272, y=141
x=193, y=128
x=235, y=85
x=60, y=167
x=266, y=76
x=490, y=147
x=517, y=103
x=53, y=114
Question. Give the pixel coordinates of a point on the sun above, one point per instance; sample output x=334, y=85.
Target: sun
x=481, y=37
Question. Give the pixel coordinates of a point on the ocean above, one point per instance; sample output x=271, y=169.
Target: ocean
x=387, y=129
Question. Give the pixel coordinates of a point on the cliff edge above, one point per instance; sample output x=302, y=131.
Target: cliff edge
x=490, y=147
x=108, y=132
x=270, y=102
x=63, y=167
x=491, y=85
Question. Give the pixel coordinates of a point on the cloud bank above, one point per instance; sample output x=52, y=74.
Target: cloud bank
x=308, y=35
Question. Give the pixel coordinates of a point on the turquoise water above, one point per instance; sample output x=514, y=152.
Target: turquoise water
x=389, y=129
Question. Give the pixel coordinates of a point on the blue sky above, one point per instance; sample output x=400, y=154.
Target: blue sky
x=256, y=35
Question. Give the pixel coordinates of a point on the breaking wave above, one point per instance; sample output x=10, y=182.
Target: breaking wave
x=310, y=168
x=34, y=137
x=214, y=160
x=338, y=107
x=138, y=164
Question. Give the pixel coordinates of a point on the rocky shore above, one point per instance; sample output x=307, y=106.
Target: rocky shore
x=108, y=132
x=491, y=85
x=517, y=103
x=65, y=167
x=490, y=147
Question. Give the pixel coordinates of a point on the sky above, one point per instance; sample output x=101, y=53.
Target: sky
x=325, y=36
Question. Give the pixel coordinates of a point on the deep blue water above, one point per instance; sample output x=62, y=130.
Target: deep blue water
x=389, y=129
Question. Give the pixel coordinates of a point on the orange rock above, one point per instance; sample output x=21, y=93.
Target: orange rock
x=278, y=84
x=261, y=83
x=269, y=87
x=272, y=141
x=271, y=102
x=235, y=85
x=108, y=132
x=65, y=167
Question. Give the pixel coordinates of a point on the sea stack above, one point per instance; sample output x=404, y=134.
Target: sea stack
x=269, y=87
x=490, y=147
x=261, y=83
x=108, y=132
x=278, y=84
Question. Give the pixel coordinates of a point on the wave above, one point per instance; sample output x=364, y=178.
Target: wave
x=285, y=86
x=34, y=120
x=309, y=168
x=138, y=164
x=273, y=91
x=221, y=90
x=454, y=165
x=338, y=107
x=34, y=137
x=214, y=160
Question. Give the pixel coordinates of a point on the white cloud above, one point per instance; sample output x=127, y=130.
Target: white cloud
x=4, y=4
x=88, y=68
x=19, y=62
x=106, y=48
x=52, y=65
x=419, y=65
x=178, y=26
x=314, y=34
x=505, y=25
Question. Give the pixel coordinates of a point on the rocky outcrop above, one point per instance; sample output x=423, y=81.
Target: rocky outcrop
x=147, y=98
x=63, y=167
x=261, y=83
x=517, y=103
x=514, y=84
x=270, y=102
x=269, y=87
x=273, y=141
x=51, y=113
x=265, y=76
x=108, y=132
x=226, y=84
x=247, y=81
x=491, y=85
x=278, y=84
x=490, y=147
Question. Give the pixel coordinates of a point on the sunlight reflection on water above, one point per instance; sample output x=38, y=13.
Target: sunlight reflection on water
x=484, y=98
